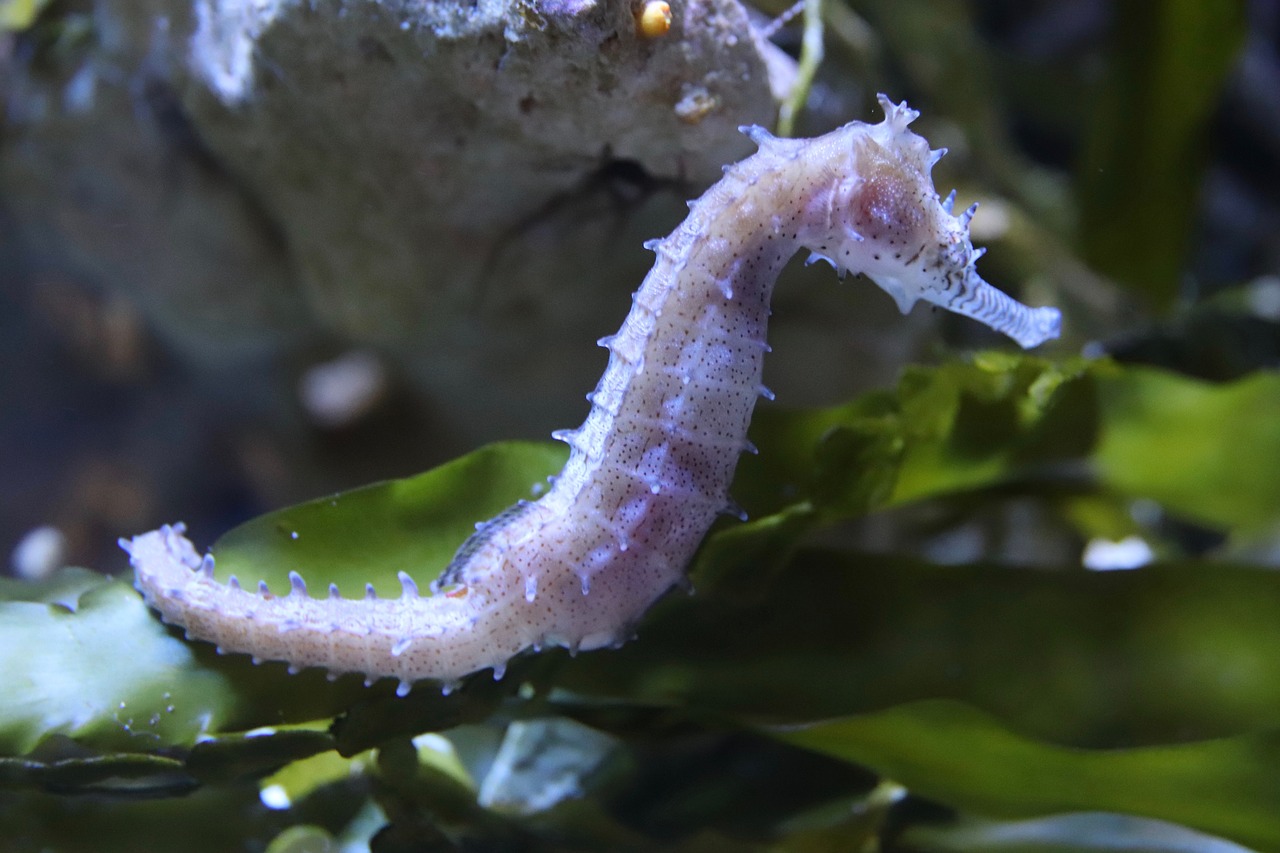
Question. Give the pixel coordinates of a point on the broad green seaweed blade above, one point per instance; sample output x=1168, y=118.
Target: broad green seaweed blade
x=1088, y=658
x=956, y=754
x=1145, y=159
x=369, y=534
x=82, y=657
x=1209, y=453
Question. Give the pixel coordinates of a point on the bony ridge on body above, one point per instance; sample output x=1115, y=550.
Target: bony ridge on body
x=649, y=469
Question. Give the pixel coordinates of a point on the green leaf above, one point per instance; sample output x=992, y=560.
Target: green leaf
x=973, y=424
x=239, y=757
x=81, y=656
x=304, y=839
x=956, y=427
x=1142, y=171
x=121, y=775
x=956, y=754
x=301, y=778
x=210, y=820
x=1207, y=452
x=1082, y=832
x=17, y=15
x=1089, y=658
x=369, y=534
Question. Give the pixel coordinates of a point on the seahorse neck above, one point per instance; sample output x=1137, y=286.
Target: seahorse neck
x=712, y=281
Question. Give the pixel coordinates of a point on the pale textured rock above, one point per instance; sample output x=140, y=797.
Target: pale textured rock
x=416, y=154
x=462, y=184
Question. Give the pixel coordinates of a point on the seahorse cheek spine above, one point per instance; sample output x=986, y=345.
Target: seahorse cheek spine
x=649, y=469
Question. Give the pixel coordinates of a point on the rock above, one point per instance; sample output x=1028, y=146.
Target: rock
x=460, y=184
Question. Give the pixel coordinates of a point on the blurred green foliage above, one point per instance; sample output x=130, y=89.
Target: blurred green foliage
x=997, y=690
x=19, y=14
x=1141, y=173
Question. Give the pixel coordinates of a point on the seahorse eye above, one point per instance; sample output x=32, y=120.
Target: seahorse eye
x=885, y=203
x=884, y=207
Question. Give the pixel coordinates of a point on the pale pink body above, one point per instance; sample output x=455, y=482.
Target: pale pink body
x=650, y=468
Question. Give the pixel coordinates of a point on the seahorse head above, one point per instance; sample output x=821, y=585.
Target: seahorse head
x=893, y=226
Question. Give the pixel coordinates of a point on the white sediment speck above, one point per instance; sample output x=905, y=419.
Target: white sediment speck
x=39, y=553
x=1104, y=555
x=275, y=797
x=338, y=392
x=1264, y=297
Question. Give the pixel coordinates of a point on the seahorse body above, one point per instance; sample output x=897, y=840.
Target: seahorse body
x=650, y=468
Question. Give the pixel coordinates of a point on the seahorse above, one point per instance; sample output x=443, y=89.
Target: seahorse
x=650, y=468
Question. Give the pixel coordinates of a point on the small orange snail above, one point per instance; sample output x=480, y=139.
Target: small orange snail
x=653, y=18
